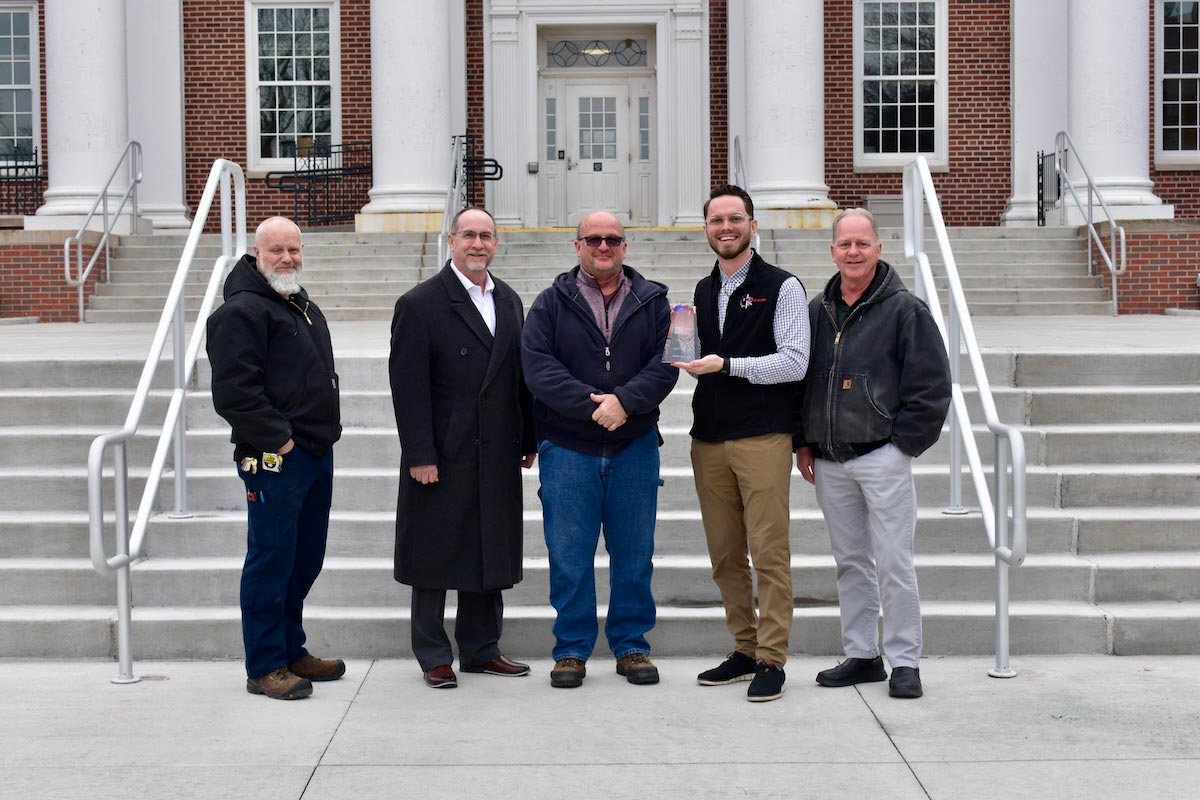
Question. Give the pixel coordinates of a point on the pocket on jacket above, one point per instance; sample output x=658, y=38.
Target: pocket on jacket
x=858, y=418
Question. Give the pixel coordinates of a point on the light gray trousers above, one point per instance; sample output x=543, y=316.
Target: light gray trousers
x=870, y=508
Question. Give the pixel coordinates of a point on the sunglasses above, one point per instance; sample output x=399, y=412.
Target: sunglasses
x=594, y=241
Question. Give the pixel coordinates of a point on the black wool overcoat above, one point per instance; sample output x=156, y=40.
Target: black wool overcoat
x=460, y=403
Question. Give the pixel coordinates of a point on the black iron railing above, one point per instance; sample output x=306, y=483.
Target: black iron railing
x=22, y=183
x=328, y=183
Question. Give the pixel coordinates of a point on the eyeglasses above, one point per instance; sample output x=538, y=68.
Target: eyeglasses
x=485, y=237
x=733, y=219
x=594, y=241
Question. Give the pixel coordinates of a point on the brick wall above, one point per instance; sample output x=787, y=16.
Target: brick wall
x=978, y=185
x=31, y=276
x=1162, y=261
x=718, y=96
x=214, y=95
x=473, y=24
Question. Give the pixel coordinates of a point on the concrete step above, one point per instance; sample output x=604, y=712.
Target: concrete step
x=371, y=534
x=219, y=488
x=312, y=249
x=379, y=447
x=679, y=581
x=352, y=295
x=1113, y=528
x=1147, y=577
x=950, y=628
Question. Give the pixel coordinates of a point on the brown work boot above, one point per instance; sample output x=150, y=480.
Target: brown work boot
x=637, y=668
x=280, y=685
x=318, y=669
x=568, y=673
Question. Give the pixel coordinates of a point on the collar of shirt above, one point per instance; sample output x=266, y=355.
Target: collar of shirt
x=734, y=280
x=473, y=289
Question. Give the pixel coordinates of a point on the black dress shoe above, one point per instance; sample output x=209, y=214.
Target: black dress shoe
x=905, y=682
x=852, y=671
x=441, y=677
x=501, y=665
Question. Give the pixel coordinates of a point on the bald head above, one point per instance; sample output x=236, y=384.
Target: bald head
x=274, y=225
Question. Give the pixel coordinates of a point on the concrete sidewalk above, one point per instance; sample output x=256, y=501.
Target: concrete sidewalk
x=1066, y=727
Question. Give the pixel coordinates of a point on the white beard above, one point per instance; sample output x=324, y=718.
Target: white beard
x=283, y=283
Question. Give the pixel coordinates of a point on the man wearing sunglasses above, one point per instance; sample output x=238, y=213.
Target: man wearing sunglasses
x=592, y=351
x=753, y=323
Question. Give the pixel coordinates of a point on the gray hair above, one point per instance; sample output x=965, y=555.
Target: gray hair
x=854, y=212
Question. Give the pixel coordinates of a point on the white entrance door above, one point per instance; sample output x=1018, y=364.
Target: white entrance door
x=596, y=127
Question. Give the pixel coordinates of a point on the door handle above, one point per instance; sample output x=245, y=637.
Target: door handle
x=571, y=163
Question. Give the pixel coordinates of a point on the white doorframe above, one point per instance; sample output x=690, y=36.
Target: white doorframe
x=513, y=118
x=559, y=199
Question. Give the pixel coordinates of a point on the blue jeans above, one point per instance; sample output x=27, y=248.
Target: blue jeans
x=580, y=494
x=288, y=521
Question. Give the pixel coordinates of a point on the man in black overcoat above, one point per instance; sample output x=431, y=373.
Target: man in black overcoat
x=463, y=414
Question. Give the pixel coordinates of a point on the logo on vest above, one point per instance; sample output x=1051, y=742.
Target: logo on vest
x=749, y=301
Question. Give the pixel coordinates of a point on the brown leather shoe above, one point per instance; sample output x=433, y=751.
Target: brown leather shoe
x=318, y=669
x=637, y=668
x=441, y=677
x=501, y=665
x=280, y=685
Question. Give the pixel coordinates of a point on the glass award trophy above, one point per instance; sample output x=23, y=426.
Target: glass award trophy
x=682, y=344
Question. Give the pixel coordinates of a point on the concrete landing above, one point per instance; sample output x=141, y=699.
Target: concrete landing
x=1066, y=727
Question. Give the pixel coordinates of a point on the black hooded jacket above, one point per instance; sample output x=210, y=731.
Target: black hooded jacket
x=272, y=367
x=882, y=376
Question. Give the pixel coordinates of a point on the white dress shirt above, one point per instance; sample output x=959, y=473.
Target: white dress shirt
x=481, y=297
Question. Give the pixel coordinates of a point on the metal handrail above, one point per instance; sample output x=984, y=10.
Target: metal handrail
x=132, y=153
x=458, y=144
x=740, y=179
x=1062, y=145
x=1005, y=519
x=130, y=546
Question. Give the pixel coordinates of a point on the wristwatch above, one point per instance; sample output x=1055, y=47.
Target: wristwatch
x=725, y=365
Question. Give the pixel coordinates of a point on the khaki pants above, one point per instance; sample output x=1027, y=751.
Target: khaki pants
x=742, y=485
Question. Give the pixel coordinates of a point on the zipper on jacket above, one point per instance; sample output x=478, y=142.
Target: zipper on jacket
x=607, y=359
x=303, y=311
x=837, y=341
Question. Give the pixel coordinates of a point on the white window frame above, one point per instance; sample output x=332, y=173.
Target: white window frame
x=939, y=159
x=35, y=74
x=1165, y=159
x=257, y=166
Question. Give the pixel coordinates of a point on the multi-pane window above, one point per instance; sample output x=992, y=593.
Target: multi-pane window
x=597, y=127
x=899, y=48
x=900, y=86
x=294, y=90
x=17, y=140
x=1180, y=97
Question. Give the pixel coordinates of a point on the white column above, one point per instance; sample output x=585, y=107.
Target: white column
x=1108, y=58
x=1039, y=98
x=86, y=108
x=784, y=141
x=410, y=122
x=687, y=129
x=508, y=136
x=156, y=107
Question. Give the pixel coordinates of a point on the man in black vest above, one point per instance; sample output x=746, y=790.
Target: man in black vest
x=753, y=323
